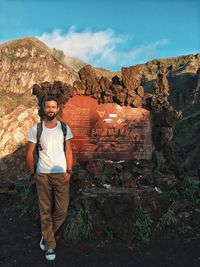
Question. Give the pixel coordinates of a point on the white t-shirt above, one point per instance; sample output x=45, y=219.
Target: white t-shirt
x=52, y=156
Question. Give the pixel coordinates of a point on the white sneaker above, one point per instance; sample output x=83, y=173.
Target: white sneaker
x=42, y=244
x=50, y=254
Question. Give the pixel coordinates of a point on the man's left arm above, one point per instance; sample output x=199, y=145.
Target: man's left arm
x=69, y=159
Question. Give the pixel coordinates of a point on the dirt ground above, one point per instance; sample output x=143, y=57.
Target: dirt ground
x=19, y=238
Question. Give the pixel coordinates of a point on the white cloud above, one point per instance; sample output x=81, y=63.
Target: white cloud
x=100, y=48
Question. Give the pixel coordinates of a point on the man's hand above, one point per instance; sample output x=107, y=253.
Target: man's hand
x=30, y=156
x=32, y=176
x=67, y=176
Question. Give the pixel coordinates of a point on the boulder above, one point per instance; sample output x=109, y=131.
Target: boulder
x=132, y=77
x=88, y=75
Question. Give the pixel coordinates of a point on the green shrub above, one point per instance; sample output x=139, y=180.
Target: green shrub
x=142, y=226
x=26, y=199
x=167, y=220
x=77, y=225
x=111, y=178
x=173, y=193
x=162, y=169
x=103, y=178
x=190, y=189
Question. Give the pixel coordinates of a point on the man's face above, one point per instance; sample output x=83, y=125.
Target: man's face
x=51, y=109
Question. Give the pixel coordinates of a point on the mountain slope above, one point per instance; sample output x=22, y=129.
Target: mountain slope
x=187, y=138
x=181, y=74
x=26, y=61
x=27, y=42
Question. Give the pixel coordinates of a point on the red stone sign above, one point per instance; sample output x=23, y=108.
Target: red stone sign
x=108, y=131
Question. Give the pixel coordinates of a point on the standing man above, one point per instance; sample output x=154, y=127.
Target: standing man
x=53, y=173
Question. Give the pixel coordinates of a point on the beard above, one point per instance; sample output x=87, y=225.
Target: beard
x=51, y=116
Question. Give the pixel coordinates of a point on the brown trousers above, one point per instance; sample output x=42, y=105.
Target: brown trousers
x=53, y=196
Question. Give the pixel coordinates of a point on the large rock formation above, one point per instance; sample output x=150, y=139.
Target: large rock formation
x=14, y=129
x=180, y=71
x=27, y=61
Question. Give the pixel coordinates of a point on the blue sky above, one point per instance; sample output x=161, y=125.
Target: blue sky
x=106, y=33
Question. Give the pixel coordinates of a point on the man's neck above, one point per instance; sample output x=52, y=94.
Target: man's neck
x=50, y=124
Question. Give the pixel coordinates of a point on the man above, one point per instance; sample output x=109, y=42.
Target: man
x=53, y=173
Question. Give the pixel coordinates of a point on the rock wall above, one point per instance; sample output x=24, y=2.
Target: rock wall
x=126, y=91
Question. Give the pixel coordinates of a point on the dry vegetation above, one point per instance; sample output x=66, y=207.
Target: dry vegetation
x=10, y=101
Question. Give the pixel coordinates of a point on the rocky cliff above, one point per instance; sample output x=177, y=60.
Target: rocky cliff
x=181, y=74
x=27, y=61
x=14, y=129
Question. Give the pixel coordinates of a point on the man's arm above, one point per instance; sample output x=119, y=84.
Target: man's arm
x=69, y=159
x=30, y=157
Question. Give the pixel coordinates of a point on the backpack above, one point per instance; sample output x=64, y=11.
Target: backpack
x=39, y=132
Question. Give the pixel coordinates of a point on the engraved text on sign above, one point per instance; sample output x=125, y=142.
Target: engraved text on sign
x=108, y=131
